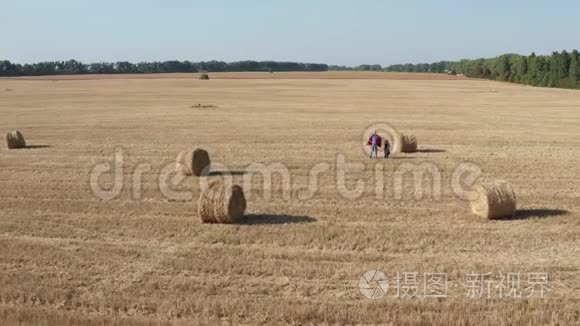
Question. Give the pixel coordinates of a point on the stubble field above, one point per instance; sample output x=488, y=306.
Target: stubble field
x=68, y=256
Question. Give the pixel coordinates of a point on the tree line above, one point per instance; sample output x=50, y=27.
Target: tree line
x=436, y=67
x=560, y=69
x=73, y=67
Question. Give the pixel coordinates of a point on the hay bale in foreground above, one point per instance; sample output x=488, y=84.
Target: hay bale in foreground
x=495, y=200
x=405, y=144
x=14, y=139
x=192, y=162
x=221, y=204
x=204, y=77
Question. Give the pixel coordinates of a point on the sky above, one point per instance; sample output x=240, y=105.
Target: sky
x=343, y=32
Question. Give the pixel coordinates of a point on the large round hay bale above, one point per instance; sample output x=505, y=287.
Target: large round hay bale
x=193, y=162
x=405, y=144
x=221, y=204
x=14, y=139
x=494, y=200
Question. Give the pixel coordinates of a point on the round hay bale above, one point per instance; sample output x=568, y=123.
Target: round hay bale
x=494, y=200
x=221, y=204
x=192, y=162
x=405, y=144
x=204, y=77
x=14, y=139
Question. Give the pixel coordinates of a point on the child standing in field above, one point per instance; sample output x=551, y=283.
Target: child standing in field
x=387, y=148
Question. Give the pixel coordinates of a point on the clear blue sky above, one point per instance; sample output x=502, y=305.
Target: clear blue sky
x=326, y=31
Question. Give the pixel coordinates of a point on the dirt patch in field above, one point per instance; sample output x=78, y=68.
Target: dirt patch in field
x=203, y=106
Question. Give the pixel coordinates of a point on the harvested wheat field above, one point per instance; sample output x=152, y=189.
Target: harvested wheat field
x=90, y=235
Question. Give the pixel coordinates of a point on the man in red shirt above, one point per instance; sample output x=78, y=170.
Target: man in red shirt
x=375, y=143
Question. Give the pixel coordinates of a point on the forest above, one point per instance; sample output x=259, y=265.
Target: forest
x=74, y=67
x=560, y=69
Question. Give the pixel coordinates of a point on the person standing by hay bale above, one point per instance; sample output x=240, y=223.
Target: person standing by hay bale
x=222, y=204
x=374, y=142
x=193, y=162
x=14, y=139
x=405, y=143
x=494, y=200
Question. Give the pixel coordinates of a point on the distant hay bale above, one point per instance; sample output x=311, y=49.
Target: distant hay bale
x=204, y=77
x=495, y=200
x=222, y=204
x=14, y=139
x=192, y=162
x=405, y=144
